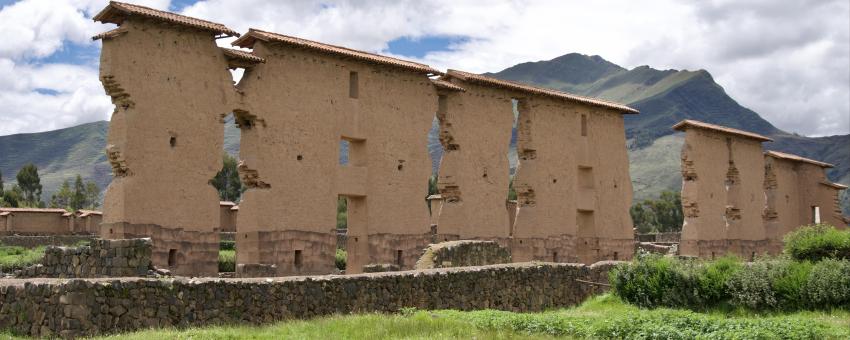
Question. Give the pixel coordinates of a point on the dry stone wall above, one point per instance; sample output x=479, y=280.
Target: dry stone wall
x=102, y=258
x=97, y=306
x=463, y=253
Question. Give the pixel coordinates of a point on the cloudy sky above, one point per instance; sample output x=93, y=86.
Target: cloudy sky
x=789, y=61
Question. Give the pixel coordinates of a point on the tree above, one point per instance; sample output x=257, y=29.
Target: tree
x=78, y=199
x=660, y=215
x=62, y=198
x=30, y=185
x=92, y=196
x=227, y=180
x=1, y=183
x=13, y=197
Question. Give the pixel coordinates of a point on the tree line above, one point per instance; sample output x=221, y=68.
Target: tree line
x=659, y=215
x=26, y=193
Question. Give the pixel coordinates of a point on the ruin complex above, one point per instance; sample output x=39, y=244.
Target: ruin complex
x=738, y=199
x=297, y=100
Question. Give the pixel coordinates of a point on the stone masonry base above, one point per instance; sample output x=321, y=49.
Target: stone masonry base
x=187, y=253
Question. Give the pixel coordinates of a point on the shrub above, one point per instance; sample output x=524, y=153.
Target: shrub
x=752, y=287
x=227, y=245
x=828, y=285
x=712, y=278
x=13, y=258
x=226, y=261
x=653, y=281
x=817, y=242
x=341, y=257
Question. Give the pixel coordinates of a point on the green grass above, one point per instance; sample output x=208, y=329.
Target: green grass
x=602, y=317
x=227, y=260
x=13, y=258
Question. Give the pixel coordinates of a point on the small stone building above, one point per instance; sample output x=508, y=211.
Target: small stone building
x=87, y=221
x=798, y=193
x=722, y=191
x=572, y=181
x=36, y=221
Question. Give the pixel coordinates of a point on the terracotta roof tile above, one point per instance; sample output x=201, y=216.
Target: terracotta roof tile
x=110, y=34
x=442, y=84
x=795, y=158
x=838, y=186
x=683, y=125
x=247, y=41
x=237, y=58
x=85, y=213
x=34, y=210
x=116, y=12
x=477, y=78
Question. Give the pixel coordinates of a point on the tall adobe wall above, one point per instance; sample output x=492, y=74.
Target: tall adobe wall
x=722, y=194
x=170, y=87
x=794, y=186
x=475, y=132
x=296, y=108
x=572, y=183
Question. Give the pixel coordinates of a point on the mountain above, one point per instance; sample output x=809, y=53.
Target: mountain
x=664, y=97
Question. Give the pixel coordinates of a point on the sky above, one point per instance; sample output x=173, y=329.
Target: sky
x=789, y=61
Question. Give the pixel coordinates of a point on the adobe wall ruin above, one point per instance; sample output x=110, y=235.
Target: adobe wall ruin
x=294, y=104
x=738, y=199
x=171, y=87
x=794, y=186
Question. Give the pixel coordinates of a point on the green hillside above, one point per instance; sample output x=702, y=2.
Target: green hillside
x=664, y=97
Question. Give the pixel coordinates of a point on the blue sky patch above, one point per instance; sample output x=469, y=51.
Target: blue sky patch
x=71, y=53
x=418, y=47
x=48, y=92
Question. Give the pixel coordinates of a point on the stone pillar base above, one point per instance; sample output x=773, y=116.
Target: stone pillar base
x=398, y=249
x=710, y=249
x=183, y=252
x=293, y=252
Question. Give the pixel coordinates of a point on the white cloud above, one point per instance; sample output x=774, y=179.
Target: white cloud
x=39, y=96
x=788, y=62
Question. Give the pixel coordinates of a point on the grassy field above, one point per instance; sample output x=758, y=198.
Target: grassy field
x=603, y=317
x=12, y=258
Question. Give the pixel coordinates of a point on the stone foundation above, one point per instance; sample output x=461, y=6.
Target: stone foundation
x=182, y=252
x=76, y=308
x=384, y=249
x=293, y=252
x=568, y=249
x=710, y=249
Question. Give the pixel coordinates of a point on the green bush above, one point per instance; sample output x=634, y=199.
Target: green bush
x=226, y=261
x=768, y=284
x=341, y=257
x=227, y=245
x=817, y=242
x=828, y=285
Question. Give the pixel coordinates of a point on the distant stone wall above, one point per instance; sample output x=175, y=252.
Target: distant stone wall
x=95, y=306
x=668, y=237
x=37, y=241
x=463, y=253
x=103, y=258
